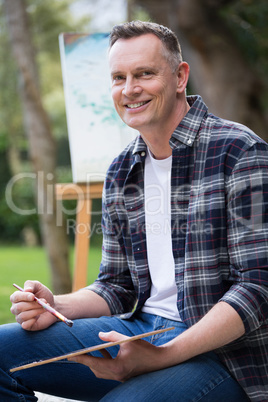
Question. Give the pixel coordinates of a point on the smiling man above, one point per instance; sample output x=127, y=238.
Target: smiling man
x=149, y=94
x=185, y=232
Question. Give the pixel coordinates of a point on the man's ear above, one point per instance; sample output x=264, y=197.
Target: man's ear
x=183, y=72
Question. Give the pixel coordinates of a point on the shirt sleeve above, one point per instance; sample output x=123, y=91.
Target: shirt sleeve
x=114, y=281
x=247, y=215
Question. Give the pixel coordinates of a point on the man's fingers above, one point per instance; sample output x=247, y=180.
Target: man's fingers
x=19, y=296
x=82, y=359
x=112, y=336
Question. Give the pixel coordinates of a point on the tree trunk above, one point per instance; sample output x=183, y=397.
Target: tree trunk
x=219, y=72
x=41, y=144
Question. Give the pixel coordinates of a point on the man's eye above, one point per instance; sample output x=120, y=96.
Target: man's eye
x=118, y=78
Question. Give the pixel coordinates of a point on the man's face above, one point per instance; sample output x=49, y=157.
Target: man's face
x=144, y=88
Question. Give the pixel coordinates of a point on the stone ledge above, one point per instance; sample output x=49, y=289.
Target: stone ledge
x=50, y=398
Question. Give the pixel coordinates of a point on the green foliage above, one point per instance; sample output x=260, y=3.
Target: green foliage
x=10, y=107
x=47, y=19
x=20, y=197
x=15, y=222
x=247, y=19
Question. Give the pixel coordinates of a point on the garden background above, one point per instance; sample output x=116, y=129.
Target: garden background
x=226, y=44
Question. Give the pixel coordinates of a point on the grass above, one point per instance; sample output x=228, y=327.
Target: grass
x=18, y=264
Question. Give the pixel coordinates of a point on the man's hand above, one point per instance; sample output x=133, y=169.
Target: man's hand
x=28, y=312
x=220, y=326
x=134, y=358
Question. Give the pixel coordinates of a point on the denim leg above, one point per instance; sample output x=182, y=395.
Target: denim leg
x=200, y=379
x=203, y=378
x=63, y=378
x=202, y=375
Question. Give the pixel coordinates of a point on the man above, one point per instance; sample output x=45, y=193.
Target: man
x=184, y=245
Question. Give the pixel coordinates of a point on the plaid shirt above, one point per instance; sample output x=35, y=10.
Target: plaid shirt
x=219, y=222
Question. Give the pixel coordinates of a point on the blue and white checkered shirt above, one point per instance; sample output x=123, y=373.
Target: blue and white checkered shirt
x=219, y=226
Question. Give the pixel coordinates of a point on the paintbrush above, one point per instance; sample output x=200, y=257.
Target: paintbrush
x=49, y=308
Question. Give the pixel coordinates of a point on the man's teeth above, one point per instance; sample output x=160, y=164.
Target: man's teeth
x=134, y=105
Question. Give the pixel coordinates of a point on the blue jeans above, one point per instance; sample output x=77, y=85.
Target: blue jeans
x=202, y=378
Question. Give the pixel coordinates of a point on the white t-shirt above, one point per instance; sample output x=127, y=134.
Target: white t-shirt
x=163, y=297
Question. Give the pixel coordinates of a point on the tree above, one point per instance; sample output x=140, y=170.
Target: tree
x=220, y=70
x=41, y=143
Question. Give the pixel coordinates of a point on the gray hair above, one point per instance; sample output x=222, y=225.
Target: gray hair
x=171, y=45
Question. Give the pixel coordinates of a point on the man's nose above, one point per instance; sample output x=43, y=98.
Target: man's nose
x=131, y=87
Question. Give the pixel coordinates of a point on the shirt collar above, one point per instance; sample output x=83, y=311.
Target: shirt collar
x=139, y=146
x=188, y=128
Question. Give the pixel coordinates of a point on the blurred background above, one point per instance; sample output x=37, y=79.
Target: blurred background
x=224, y=41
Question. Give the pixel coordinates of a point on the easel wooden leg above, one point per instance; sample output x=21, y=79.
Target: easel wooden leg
x=84, y=194
x=82, y=242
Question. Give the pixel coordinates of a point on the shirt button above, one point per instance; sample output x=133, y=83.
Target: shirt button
x=189, y=141
x=143, y=153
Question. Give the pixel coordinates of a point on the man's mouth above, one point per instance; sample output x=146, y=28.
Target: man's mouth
x=136, y=105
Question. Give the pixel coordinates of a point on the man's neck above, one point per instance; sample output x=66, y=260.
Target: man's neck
x=157, y=139
x=159, y=150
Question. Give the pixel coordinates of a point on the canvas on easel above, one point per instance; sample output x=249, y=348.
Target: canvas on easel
x=96, y=133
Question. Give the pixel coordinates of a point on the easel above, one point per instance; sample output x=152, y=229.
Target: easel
x=84, y=194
